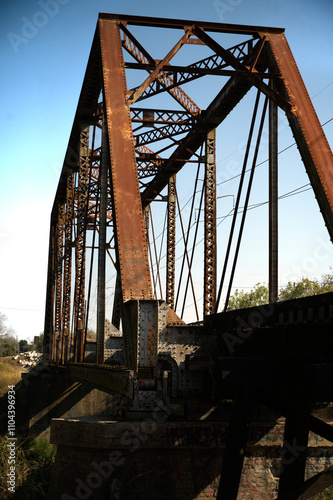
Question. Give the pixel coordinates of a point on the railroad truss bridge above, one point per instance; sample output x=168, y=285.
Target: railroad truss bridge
x=124, y=271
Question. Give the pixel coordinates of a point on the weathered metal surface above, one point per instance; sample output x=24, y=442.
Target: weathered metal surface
x=67, y=281
x=49, y=303
x=80, y=246
x=230, y=95
x=110, y=379
x=154, y=74
x=104, y=167
x=131, y=241
x=58, y=280
x=210, y=225
x=141, y=55
x=171, y=241
x=308, y=133
x=273, y=203
x=162, y=356
x=159, y=22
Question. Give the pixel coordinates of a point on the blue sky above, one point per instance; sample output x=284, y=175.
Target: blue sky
x=44, y=48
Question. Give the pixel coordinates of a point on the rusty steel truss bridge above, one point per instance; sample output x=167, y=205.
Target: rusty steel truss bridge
x=123, y=255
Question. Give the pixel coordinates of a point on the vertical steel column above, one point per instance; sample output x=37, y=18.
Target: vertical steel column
x=49, y=305
x=171, y=242
x=210, y=225
x=80, y=248
x=103, y=176
x=66, y=305
x=273, y=201
x=58, y=281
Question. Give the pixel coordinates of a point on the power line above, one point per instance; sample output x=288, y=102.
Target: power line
x=265, y=161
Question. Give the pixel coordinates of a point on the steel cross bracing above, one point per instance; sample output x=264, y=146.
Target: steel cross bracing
x=134, y=231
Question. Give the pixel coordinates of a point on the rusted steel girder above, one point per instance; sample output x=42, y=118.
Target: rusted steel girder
x=171, y=242
x=80, y=245
x=59, y=281
x=49, y=304
x=307, y=130
x=129, y=226
x=226, y=100
x=210, y=225
x=141, y=55
x=273, y=203
x=66, y=304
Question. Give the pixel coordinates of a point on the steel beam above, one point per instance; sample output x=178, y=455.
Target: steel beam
x=104, y=166
x=273, y=203
x=310, y=138
x=171, y=242
x=180, y=23
x=226, y=100
x=129, y=225
x=80, y=245
x=66, y=304
x=141, y=55
x=49, y=305
x=59, y=281
x=155, y=73
x=210, y=225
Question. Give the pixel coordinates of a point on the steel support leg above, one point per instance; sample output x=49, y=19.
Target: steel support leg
x=273, y=202
x=80, y=248
x=66, y=304
x=210, y=225
x=59, y=282
x=104, y=165
x=49, y=306
x=171, y=242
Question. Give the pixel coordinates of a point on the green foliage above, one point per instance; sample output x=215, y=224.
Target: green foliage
x=303, y=288
x=24, y=346
x=256, y=297
x=8, y=345
x=34, y=461
x=39, y=342
x=8, y=342
x=293, y=290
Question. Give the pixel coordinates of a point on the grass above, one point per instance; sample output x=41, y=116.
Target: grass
x=33, y=458
x=10, y=374
x=33, y=463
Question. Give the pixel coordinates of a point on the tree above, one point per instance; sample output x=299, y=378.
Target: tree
x=24, y=346
x=39, y=342
x=255, y=297
x=8, y=342
x=293, y=290
x=302, y=288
